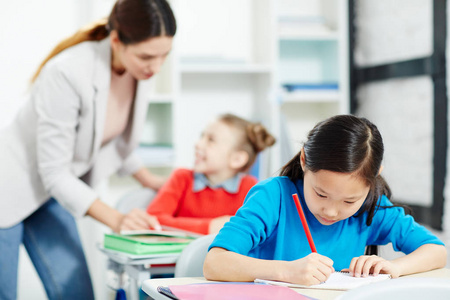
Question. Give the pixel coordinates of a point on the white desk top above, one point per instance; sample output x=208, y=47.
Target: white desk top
x=150, y=285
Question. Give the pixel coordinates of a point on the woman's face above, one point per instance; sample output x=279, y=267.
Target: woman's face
x=141, y=60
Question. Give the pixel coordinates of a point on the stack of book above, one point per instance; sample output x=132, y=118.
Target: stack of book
x=145, y=242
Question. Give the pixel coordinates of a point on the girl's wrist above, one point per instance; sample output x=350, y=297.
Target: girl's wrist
x=279, y=270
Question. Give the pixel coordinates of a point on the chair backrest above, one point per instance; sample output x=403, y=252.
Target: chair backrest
x=190, y=261
x=139, y=198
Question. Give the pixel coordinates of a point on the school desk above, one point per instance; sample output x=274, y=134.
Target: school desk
x=141, y=267
x=149, y=286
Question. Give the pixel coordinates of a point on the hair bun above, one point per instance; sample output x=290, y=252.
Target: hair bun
x=259, y=137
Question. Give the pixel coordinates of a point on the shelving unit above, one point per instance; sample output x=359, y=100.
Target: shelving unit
x=235, y=56
x=312, y=59
x=223, y=60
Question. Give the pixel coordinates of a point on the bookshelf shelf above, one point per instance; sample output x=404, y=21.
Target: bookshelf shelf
x=226, y=68
x=313, y=96
x=313, y=36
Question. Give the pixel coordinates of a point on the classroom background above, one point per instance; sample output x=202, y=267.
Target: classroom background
x=285, y=63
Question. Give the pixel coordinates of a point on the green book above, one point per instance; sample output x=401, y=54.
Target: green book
x=146, y=243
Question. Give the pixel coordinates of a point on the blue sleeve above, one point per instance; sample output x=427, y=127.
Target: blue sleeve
x=391, y=225
x=254, y=221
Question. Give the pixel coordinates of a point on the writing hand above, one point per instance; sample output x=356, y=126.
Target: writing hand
x=364, y=265
x=309, y=270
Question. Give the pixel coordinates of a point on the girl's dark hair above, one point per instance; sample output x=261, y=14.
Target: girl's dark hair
x=253, y=139
x=345, y=144
x=134, y=20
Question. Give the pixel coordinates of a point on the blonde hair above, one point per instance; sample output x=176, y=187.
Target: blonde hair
x=134, y=21
x=254, y=137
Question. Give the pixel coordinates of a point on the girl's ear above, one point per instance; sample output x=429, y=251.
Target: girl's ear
x=381, y=169
x=302, y=159
x=238, y=159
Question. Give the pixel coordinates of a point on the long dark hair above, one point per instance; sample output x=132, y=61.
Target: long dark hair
x=345, y=144
x=134, y=20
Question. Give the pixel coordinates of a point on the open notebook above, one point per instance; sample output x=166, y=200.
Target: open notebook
x=337, y=281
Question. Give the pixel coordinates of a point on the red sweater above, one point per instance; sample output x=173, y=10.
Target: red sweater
x=177, y=205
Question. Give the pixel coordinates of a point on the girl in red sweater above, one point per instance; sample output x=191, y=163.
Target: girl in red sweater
x=202, y=200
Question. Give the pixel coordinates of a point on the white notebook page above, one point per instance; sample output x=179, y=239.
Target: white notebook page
x=337, y=281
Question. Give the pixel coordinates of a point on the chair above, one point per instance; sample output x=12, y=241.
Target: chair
x=139, y=198
x=190, y=262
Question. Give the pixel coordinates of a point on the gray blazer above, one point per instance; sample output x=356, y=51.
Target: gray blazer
x=53, y=147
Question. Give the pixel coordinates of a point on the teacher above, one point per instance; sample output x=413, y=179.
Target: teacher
x=83, y=119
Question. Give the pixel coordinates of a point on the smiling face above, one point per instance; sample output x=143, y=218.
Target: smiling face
x=333, y=196
x=215, y=152
x=142, y=60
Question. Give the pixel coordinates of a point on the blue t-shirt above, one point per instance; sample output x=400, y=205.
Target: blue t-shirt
x=268, y=226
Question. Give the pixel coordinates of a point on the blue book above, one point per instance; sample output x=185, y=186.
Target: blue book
x=310, y=86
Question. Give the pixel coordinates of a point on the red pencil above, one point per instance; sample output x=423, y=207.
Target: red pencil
x=304, y=223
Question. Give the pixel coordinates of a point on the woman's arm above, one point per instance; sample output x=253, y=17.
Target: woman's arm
x=148, y=179
x=223, y=265
x=425, y=258
x=136, y=219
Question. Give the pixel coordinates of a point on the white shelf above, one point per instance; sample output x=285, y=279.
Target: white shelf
x=226, y=68
x=313, y=36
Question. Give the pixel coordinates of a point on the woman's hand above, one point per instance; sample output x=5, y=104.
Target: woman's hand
x=138, y=219
x=364, y=265
x=309, y=270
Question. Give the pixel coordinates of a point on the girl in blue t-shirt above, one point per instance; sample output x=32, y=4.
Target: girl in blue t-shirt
x=345, y=200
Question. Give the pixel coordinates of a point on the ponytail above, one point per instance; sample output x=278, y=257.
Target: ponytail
x=293, y=170
x=93, y=32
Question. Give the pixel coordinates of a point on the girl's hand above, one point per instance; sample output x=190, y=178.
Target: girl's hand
x=309, y=270
x=365, y=265
x=217, y=223
x=138, y=219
